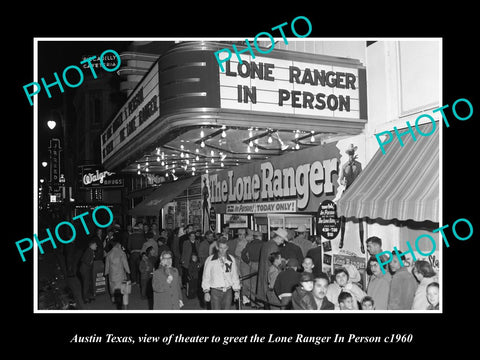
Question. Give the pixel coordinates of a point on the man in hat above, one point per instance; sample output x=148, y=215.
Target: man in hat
x=301, y=240
x=251, y=257
x=286, y=283
x=348, y=173
x=279, y=236
x=302, y=298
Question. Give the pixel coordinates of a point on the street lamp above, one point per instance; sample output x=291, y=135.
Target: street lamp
x=51, y=124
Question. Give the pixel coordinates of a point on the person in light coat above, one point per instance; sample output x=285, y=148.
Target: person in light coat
x=425, y=275
x=166, y=285
x=117, y=270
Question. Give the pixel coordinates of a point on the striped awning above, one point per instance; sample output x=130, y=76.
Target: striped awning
x=402, y=184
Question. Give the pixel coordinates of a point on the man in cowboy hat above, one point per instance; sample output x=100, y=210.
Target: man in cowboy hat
x=348, y=173
x=301, y=239
x=279, y=236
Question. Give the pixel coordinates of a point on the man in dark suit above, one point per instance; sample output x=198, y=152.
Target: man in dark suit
x=86, y=271
x=315, y=253
x=319, y=292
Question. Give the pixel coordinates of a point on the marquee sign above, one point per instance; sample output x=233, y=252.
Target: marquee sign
x=140, y=110
x=291, y=87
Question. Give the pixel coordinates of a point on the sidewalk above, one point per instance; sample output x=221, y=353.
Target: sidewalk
x=103, y=301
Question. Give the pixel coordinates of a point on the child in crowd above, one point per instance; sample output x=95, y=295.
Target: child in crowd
x=368, y=303
x=345, y=301
x=432, y=296
x=302, y=297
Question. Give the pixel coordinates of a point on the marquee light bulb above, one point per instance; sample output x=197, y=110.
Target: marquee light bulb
x=248, y=148
x=256, y=149
x=146, y=169
x=138, y=166
x=312, y=139
x=158, y=158
x=250, y=143
x=202, y=134
x=249, y=157
x=269, y=140
x=162, y=163
x=221, y=164
x=202, y=144
x=212, y=153
x=182, y=147
x=212, y=161
x=193, y=168
x=224, y=134
x=173, y=171
x=297, y=147
x=196, y=150
x=182, y=154
x=138, y=172
x=197, y=158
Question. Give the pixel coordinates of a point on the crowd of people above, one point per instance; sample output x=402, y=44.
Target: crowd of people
x=247, y=271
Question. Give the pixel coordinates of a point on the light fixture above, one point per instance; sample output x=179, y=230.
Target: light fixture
x=193, y=173
x=248, y=148
x=166, y=166
x=202, y=134
x=181, y=147
x=146, y=164
x=138, y=166
x=158, y=158
x=206, y=171
x=202, y=144
x=283, y=146
x=138, y=172
x=42, y=180
x=44, y=163
x=312, y=139
x=187, y=155
x=162, y=163
x=256, y=149
x=146, y=169
x=193, y=168
x=269, y=140
x=182, y=154
x=224, y=134
x=212, y=161
x=158, y=151
x=163, y=156
x=167, y=174
x=250, y=143
x=187, y=162
x=197, y=158
x=196, y=150
x=173, y=171
x=296, y=134
x=221, y=164
x=250, y=133
x=212, y=153
x=297, y=146
x=249, y=157
x=51, y=124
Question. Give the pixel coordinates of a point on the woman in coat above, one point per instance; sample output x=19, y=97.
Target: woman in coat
x=167, y=291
